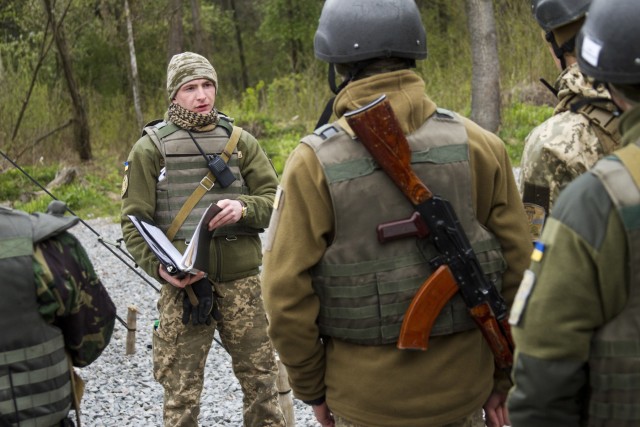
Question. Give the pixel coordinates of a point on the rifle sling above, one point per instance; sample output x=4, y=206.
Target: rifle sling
x=206, y=184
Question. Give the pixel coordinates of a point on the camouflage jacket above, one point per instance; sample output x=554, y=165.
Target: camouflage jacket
x=72, y=297
x=568, y=143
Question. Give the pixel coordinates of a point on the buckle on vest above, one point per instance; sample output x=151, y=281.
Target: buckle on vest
x=207, y=185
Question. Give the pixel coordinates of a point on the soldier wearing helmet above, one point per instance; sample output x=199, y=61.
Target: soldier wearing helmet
x=584, y=126
x=576, y=325
x=335, y=296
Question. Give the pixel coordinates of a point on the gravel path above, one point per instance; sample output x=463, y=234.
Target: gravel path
x=120, y=389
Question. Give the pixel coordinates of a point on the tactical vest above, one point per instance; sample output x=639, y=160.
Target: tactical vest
x=35, y=387
x=185, y=167
x=615, y=351
x=602, y=121
x=364, y=286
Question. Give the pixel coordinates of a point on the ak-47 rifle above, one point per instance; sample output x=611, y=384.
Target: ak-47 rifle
x=456, y=267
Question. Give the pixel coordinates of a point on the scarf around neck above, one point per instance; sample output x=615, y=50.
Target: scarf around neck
x=191, y=120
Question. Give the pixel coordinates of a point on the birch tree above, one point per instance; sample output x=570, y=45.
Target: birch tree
x=485, y=82
x=135, y=81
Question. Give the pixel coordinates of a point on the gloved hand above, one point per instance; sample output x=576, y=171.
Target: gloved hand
x=200, y=314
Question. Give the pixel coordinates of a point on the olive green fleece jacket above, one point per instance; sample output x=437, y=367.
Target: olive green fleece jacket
x=381, y=385
x=580, y=282
x=229, y=260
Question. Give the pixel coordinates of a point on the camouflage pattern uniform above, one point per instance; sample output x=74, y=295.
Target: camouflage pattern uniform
x=180, y=351
x=69, y=322
x=565, y=146
x=179, y=366
x=72, y=297
x=575, y=320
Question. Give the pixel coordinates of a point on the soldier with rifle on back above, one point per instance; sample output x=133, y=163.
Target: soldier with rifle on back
x=347, y=256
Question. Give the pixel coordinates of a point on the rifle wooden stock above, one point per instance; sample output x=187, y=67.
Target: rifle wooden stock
x=379, y=131
x=377, y=128
x=425, y=307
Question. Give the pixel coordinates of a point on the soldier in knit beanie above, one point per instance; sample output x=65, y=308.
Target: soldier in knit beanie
x=185, y=67
x=192, y=158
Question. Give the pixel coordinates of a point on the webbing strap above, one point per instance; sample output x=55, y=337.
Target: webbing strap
x=615, y=411
x=206, y=184
x=630, y=158
x=615, y=381
x=615, y=349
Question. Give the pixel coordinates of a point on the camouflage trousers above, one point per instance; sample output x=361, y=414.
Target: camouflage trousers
x=473, y=420
x=180, y=353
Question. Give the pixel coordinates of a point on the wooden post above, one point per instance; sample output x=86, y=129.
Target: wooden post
x=132, y=312
x=284, y=394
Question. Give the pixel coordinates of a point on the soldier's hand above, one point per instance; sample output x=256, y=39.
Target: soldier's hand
x=201, y=313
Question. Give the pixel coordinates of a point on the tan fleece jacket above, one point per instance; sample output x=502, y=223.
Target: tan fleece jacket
x=381, y=385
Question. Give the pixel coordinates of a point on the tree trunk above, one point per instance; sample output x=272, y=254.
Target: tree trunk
x=485, y=83
x=82, y=140
x=200, y=46
x=292, y=40
x=44, y=50
x=243, y=64
x=135, y=81
x=176, y=32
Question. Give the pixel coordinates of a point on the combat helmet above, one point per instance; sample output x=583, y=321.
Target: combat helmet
x=351, y=31
x=561, y=20
x=353, y=35
x=607, y=44
x=552, y=14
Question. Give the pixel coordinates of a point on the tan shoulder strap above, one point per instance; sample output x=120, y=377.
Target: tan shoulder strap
x=206, y=184
x=630, y=158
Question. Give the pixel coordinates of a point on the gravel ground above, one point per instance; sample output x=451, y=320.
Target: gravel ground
x=120, y=389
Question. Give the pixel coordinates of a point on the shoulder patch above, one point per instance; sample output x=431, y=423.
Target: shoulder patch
x=125, y=181
x=522, y=296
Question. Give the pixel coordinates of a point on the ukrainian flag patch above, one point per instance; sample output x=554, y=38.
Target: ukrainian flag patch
x=538, y=251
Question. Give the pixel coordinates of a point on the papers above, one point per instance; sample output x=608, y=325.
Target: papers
x=195, y=257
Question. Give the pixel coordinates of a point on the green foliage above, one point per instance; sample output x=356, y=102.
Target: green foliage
x=14, y=182
x=290, y=24
x=95, y=193
x=283, y=101
x=518, y=119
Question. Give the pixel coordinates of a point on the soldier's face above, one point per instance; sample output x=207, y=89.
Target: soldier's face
x=198, y=96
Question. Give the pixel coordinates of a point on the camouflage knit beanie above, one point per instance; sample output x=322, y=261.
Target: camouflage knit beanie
x=185, y=67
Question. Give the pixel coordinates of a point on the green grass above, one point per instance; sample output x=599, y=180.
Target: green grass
x=93, y=194
x=518, y=120
x=96, y=191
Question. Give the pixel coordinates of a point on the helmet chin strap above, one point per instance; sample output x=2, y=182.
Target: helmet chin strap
x=559, y=51
x=351, y=75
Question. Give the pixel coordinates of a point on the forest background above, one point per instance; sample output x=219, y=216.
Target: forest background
x=79, y=78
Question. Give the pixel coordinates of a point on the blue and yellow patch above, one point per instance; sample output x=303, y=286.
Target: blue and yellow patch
x=125, y=180
x=538, y=251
